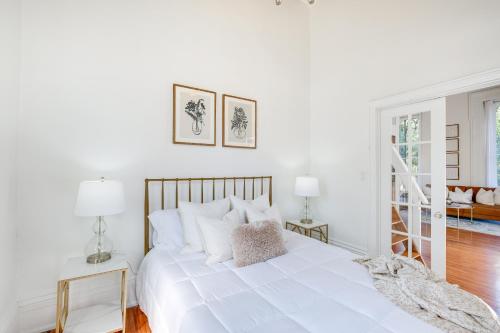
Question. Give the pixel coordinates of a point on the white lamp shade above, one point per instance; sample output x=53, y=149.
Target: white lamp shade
x=100, y=198
x=307, y=187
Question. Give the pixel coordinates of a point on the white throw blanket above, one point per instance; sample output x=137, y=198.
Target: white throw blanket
x=416, y=289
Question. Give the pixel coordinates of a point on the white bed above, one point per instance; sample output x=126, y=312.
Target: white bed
x=313, y=288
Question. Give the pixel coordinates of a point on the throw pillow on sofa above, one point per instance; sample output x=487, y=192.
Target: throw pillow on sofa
x=485, y=197
x=497, y=196
x=460, y=196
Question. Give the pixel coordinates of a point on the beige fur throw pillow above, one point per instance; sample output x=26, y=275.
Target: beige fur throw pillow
x=253, y=243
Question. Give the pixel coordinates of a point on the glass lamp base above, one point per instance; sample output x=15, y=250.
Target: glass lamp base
x=98, y=258
x=306, y=214
x=99, y=247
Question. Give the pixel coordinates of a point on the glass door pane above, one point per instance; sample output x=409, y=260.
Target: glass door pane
x=412, y=182
x=411, y=174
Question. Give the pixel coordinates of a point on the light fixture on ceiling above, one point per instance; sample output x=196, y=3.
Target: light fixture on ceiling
x=278, y=2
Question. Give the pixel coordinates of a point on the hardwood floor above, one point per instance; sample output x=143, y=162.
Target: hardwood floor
x=473, y=262
x=137, y=322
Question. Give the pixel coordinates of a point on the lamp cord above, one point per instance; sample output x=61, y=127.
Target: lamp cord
x=128, y=262
x=131, y=268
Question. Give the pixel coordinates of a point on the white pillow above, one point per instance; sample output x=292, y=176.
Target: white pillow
x=167, y=228
x=485, y=197
x=260, y=203
x=216, y=236
x=460, y=196
x=189, y=211
x=270, y=214
x=497, y=196
x=255, y=216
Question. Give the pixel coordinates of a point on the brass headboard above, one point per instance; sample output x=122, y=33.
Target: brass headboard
x=229, y=184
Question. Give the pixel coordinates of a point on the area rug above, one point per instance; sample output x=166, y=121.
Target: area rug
x=477, y=226
x=481, y=226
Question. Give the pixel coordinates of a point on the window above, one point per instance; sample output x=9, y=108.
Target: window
x=409, y=131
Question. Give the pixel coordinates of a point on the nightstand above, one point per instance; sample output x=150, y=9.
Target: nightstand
x=102, y=318
x=318, y=229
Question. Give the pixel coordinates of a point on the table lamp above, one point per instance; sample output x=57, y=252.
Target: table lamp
x=306, y=187
x=99, y=198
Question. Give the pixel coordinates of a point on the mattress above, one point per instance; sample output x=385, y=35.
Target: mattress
x=315, y=287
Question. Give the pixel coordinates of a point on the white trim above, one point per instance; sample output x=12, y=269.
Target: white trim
x=37, y=314
x=457, y=86
x=348, y=246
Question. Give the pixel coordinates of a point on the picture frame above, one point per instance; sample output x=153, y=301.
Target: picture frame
x=453, y=159
x=452, y=145
x=239, y=122
x=452, y=131
x=453, y=173
x=194, y=116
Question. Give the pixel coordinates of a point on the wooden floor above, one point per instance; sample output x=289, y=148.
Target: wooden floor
x=473, y=262
x=136, y=321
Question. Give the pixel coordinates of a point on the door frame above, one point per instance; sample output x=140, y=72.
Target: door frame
x=464, y=84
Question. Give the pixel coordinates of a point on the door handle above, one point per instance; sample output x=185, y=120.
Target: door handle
x=438, y=215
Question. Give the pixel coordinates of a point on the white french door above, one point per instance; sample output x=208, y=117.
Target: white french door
x=413, y=182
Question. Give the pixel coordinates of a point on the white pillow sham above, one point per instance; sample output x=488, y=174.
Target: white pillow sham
x=216, y=234
x=189, y=212
x=460, y=196
x=272, y=213
x=485, y=197
x=260, y=203
x=167, y=228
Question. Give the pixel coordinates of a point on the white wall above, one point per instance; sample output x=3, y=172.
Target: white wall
x=96, y=87
x=365, y=50
x=462, y=109
x=457, y=112
x=9, y=107
x=96, y=81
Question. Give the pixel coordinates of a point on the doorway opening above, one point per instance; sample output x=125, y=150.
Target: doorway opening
x=473, y=201
x=434, y=190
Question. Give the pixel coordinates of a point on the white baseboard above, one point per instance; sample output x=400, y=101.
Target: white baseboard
x=8, y=320
x=37, y=314
x=348, y=246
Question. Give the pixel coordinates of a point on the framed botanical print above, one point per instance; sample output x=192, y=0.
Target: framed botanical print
x=194, y=112
x=239, y=122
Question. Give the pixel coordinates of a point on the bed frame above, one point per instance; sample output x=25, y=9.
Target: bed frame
x=212, y=183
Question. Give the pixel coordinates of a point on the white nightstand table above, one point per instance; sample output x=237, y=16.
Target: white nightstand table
x=313, y=229
x=102, y=318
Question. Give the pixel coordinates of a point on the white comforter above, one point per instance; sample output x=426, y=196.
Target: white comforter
x=314, y=288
